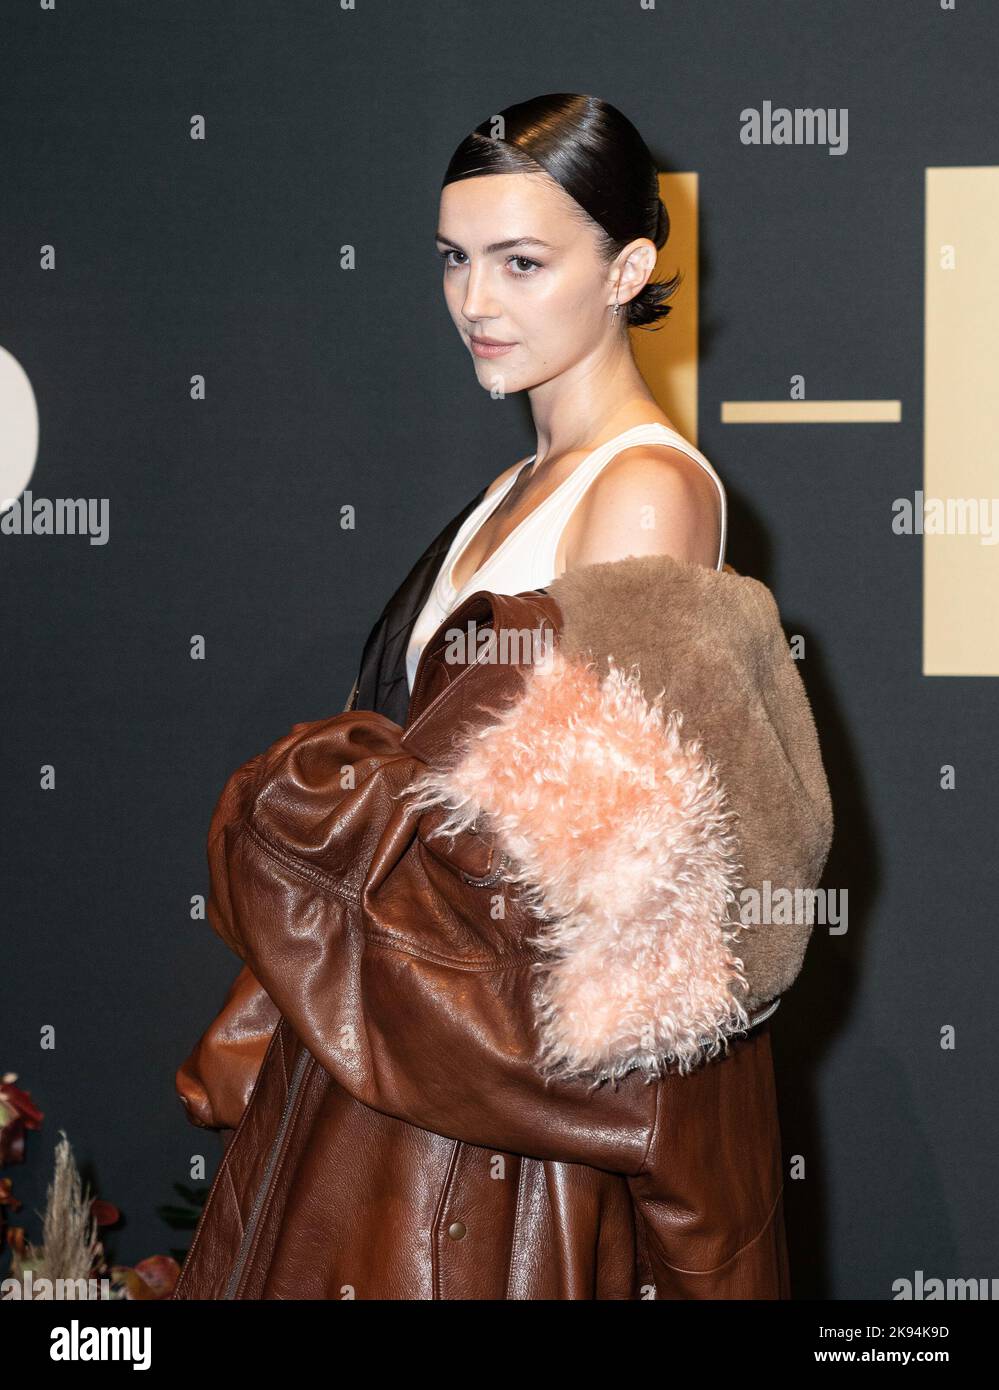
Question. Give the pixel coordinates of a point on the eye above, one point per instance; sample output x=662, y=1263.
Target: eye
x=516, y=263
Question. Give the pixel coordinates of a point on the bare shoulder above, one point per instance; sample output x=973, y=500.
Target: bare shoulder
x=652, y=499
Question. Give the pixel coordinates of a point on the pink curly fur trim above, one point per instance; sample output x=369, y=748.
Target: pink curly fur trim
x=618, y=836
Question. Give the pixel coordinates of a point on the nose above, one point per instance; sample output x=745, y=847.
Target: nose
x=478, y=303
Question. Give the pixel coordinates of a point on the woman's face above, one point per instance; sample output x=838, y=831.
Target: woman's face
x=521, y=266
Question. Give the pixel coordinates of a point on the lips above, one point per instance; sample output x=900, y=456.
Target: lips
x=489, y=347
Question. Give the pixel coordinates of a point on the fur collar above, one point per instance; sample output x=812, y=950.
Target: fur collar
x=665, y=762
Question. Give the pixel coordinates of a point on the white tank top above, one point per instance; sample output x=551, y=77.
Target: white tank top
x=526, y=559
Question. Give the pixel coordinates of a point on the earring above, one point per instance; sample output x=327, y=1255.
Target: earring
x=616, y=308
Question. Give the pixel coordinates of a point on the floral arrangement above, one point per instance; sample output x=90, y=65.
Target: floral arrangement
x=71, y=1260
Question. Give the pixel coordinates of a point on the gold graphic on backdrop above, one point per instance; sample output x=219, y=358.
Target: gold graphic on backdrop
x=811, y=412
x=667, y=355
x=961, y=357
x=961, y=426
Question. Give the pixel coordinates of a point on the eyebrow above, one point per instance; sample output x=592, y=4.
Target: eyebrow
x=499, y=245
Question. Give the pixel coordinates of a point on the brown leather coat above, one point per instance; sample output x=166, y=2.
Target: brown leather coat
x=435, y=1153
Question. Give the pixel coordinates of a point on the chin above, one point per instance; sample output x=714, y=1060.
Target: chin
x=491, y=374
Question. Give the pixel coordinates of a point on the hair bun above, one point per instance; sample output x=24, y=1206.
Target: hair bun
x=650, y=305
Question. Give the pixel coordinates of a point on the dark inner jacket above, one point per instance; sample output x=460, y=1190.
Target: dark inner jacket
x=381, y=680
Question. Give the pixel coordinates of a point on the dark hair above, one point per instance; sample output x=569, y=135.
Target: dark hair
x=598, y=157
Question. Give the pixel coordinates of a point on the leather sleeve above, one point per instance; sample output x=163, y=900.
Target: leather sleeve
x=446, y=1045
x=409, y=1013
x=215, y=1081
x=709, y=1196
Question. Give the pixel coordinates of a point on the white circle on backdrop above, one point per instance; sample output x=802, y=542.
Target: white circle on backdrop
x=18, y=430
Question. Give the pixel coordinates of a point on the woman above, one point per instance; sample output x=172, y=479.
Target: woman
x=463, y=1144
x=544, y=274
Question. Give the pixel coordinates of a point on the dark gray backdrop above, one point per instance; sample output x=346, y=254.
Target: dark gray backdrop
x=327, y=388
